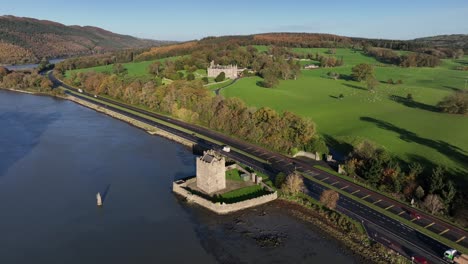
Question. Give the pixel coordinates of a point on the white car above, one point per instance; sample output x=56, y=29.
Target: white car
x=79, y=90
x=226, y=149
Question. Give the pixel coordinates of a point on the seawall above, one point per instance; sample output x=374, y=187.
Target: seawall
x=219, y=208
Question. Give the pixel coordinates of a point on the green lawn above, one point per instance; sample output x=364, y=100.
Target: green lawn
x=242, y=194
x=413, y=132
x=233, y=175
x=135, y=69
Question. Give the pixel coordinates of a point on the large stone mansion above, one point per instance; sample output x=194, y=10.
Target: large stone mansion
x=231, y=71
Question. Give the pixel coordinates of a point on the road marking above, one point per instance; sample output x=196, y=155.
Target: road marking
x=414, y=219
x=335, y=183
x=356, y=191
x=324, y=178
x=389, y=207
x=459, y=240
x=429, y=225
x=344, y=187
x=443, y=232
x=401, y=212
x=377, y=201
x=365, y=196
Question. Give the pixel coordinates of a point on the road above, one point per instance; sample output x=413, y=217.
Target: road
x=404, y=239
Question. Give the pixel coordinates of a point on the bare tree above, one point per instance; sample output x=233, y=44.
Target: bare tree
x=329, y=198
x=294, y=184
x=433, y=203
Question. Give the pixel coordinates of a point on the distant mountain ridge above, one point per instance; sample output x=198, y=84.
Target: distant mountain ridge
x=24, y=40
x=459, y=41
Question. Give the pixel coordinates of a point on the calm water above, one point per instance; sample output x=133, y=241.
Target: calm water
x=56, y=155
x=29, y=66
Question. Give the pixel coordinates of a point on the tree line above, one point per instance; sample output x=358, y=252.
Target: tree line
x=24, y=80
x=191, y=102
x=430, y=189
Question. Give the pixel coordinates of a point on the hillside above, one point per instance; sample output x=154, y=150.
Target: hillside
x=459, y=41
x=297, y=40
x=24, y=40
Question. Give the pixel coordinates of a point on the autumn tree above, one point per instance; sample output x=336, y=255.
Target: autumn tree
x=119, y=69
x=371, y=83
x=155, y=68
x=3, y=72
x=362, y=72
x=294, y=184
x=329, y=198
x=456, y=103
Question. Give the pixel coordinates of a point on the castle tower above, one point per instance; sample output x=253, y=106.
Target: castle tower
x=211, y=172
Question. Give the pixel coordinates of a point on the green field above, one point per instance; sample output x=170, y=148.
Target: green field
x=414, y=132
x=135, y=69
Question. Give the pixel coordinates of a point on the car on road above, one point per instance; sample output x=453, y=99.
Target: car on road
x=419, y=260
x=226, y=148
x=415, y=215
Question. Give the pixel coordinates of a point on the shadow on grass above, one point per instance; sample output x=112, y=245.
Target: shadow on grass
x=355, y=86
x=454, y=89
x=338, y=149
x=452, y=152
x=334, y=97
x=414, y=104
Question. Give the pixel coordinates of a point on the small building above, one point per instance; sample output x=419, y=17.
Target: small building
x=311, y=67
x=231, y=71
x=211, y=172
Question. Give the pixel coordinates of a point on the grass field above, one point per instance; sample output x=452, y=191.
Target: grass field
x=233, y=175
x=414, y=132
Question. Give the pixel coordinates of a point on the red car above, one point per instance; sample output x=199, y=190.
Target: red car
x=419, y=260
x=415, y=215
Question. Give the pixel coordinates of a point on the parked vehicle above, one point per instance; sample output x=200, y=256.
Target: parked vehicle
x=80, y=90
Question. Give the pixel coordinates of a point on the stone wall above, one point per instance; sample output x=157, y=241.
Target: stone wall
x=314, y=156
x=220, y=208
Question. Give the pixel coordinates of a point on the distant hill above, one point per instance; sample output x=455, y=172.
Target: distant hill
x=297, y=40
x=459, y=41
x=24, y=40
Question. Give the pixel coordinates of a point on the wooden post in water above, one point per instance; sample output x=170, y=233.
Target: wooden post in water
x=99, y=200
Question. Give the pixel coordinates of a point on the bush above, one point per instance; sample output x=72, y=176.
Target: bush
x=190, y=77
x=409, y=97
x=319, y=145
x=221, y=77
x=280, y=179
x=205, y=80
x=294, y=184
x=329, y=198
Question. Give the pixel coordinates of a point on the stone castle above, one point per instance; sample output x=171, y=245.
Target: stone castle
x=211, y=172
x=231, y=71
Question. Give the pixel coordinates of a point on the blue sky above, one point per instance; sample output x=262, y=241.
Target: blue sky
x=185, y=20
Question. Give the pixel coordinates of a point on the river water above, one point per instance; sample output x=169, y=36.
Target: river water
x=56, y=155
x=30, y=66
